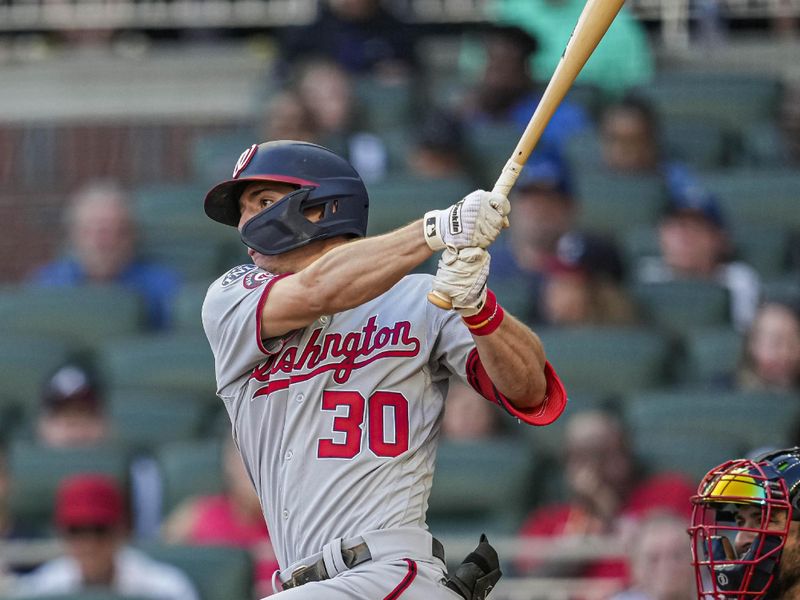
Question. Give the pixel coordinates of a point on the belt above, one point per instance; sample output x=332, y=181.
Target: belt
x=350, y=557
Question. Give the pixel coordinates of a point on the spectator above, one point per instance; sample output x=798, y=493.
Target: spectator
x=579, y=287
x=101, y=237
x=233, y=518
x=694, y=244
x=545, y=211
x=771, y=352
x=327, y=90
x=90, y=517
x=506, y=92
x=630, y=138
x=72, y=412
x=438, y=147
x=468, y=416
x=660, y=560
x=360, y=35
x=621, y=61
x=607, y=493
x=287, y=117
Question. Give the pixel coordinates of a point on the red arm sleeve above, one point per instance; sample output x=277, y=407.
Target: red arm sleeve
x=555, y=399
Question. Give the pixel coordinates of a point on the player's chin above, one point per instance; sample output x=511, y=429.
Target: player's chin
x=272, y=264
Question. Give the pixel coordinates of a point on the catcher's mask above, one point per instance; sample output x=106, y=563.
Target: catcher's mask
x=740, y=522
x=322, y=178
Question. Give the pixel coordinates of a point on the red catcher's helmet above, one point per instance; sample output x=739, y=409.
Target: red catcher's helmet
x=770, y=483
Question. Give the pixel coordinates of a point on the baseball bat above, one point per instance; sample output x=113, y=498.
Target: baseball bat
x=594, y=21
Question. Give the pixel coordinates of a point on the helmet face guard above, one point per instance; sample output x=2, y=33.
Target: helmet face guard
x=722, y=572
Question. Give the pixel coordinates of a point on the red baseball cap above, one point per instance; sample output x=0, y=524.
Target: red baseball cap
x=87, y=500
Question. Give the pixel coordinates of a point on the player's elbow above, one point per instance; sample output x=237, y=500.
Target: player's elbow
x=530, y=392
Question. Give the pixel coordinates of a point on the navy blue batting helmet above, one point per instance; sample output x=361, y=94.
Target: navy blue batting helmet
x=322, y=178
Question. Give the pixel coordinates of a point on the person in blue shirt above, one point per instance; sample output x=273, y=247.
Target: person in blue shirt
x=101, y=249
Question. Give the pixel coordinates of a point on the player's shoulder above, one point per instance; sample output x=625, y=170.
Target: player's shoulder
x=247, y=277
x=414, y=281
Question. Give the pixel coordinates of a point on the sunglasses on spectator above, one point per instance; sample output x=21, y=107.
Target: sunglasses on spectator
x=86, y=530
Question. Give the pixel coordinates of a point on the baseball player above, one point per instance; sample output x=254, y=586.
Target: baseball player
x=746, y=529
x=334, y=367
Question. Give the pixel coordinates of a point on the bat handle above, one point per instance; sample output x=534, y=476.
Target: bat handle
x=509, y=174
x=440, y=300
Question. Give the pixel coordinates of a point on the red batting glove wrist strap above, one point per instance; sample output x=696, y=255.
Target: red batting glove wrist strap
x=488, y=318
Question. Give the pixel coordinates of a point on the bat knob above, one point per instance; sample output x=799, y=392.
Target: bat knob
x=440, y=300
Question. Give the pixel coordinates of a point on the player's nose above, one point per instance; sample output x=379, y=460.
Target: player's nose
x=743, y=541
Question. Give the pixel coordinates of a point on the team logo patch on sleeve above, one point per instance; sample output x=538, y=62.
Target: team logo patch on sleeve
x=235, y=274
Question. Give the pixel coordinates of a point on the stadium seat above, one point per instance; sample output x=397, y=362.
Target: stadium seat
x=214, y=155
x=783, y=289
x=39, y=470
x=764, y=247
x=399, y=200
x=710, y=354
x=144, y=419
x=612, y=204
x=188, y=306
x=747, y=420
x=516, y=297
x=189, y=468
x=469, y=479
x=490, y=145
x=680, y=306
x=194, y=259
x=605, y=361
x=218, y=573
x=761, y=197
x=84, y=316
x=25, y=362
x=696, y=142
x=385, y=104
x=726, y=99
x=171, y=363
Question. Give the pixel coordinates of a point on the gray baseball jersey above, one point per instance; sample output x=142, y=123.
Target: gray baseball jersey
x=338, y=422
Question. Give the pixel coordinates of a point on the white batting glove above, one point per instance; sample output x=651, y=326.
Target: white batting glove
x=461, y=276
x=476, y=220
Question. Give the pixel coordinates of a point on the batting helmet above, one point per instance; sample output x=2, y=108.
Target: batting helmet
x=725, y=569
x=322, y=179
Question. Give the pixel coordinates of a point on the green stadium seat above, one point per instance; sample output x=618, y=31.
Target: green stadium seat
x=469, y=479
x=612, y=204
x=171, y=363
x=25, y=362
x=697, y=142
x=490, y=146
x=691, y=454
x=680, y=306
x=193, y=259
x=84, y=316
x=764, y=247
x=764, y=146
x=761, y=197
x=143, y=419
x=516, y=297
x=606, y=361
x=748, y=419
x=214, y=155
x=783, y=289
x=726, y=99
x=385, y=104
x=39, y=470
x=710, y=353
x=219, y=573
x=399, y=200
x=188, y=306
x=189, y=468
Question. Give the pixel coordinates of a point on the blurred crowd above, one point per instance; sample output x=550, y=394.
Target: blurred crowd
x=616, y=230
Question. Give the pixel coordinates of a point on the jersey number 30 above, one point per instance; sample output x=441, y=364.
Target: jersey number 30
x=385, y=441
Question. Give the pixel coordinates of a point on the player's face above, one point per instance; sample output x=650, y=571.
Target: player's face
x=261, y=195
x=749, y=517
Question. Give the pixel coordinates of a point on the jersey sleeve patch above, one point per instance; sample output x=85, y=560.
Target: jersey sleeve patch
x=549, y=410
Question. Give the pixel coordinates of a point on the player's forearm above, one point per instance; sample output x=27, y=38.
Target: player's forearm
x=357, y=272
x=514, y=359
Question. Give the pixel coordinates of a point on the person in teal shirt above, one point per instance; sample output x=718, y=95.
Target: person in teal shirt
x=623, y=58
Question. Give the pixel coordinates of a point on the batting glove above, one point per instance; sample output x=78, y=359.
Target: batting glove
x=476, y=220
x=461, y=276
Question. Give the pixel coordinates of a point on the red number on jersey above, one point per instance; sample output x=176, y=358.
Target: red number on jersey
x=378, y=403
x=352, y=424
